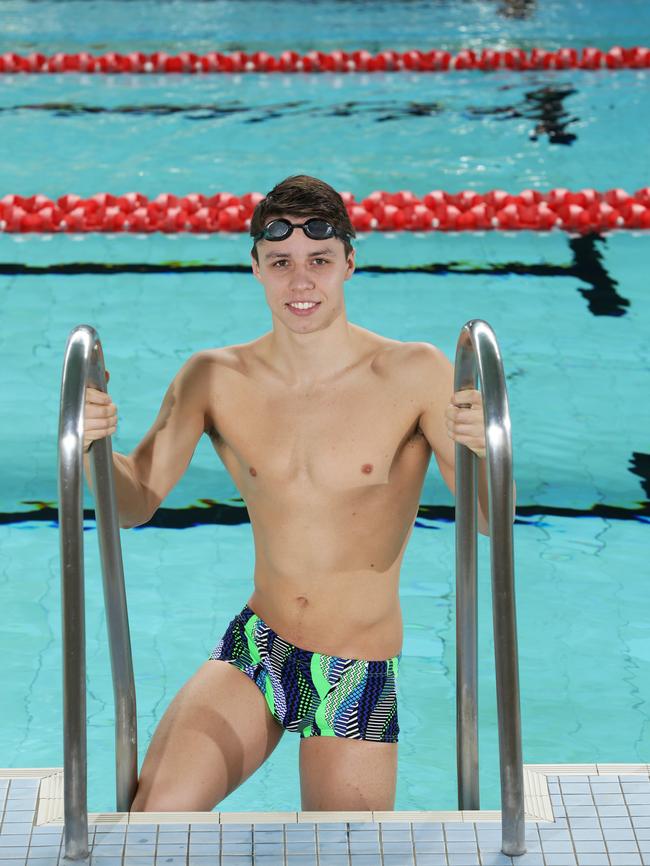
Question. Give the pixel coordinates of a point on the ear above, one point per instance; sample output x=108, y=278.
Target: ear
x=256, y=268
x=350, y=265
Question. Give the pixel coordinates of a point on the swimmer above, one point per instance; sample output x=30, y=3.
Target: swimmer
x=327, y=429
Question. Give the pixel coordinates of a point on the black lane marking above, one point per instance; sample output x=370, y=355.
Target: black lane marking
x=640, y=465
x=223, y=514
x=544, y=106
x=602, y=298
x=389, y=109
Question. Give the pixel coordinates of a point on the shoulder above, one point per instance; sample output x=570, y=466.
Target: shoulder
x=417, y=359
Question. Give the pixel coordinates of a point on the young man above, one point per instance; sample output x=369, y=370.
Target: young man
x=327, y=430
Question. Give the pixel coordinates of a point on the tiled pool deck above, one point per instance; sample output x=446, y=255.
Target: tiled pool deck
x=576, y=815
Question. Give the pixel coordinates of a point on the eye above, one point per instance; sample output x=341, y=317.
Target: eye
x=279, y=262
x=322, y=260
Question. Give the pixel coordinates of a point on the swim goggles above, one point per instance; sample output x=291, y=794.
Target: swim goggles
x=315, y=228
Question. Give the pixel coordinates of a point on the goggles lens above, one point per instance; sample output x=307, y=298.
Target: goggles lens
x=315, y=228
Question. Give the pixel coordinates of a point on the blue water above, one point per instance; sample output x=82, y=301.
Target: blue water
x=571, y=316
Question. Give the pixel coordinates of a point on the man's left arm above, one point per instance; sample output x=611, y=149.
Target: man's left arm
x=449, y=417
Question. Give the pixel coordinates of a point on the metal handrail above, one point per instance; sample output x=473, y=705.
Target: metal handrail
x=83, y=365
x=477, y=351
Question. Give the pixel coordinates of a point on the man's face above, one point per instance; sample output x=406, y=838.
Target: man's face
x=300, y=269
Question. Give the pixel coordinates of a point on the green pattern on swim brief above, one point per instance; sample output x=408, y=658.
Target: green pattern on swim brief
x=318, y=670
x=249, y=628
x=347, y=683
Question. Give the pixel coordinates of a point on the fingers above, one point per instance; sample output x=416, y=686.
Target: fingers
x=100, y=416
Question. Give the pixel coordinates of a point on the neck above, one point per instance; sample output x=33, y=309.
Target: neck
x=316, y=357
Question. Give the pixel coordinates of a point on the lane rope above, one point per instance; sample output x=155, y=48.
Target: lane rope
x=616, y=57
x=585, y=210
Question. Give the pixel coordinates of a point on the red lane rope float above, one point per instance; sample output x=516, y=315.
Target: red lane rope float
x=617, y=57
x=585, y=210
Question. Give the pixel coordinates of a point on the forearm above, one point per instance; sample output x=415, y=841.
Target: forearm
x=132, y=506
x=483, y=497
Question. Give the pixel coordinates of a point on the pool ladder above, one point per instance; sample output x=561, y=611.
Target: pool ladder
x=83, y=365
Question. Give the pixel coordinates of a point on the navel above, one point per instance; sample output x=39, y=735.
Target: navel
x=367, y=468
x=252, y=470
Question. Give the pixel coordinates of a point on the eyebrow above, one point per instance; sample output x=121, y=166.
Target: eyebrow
x=325, y=250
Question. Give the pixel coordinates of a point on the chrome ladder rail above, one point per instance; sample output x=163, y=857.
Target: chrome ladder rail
x=83, y=365
x=477, y=351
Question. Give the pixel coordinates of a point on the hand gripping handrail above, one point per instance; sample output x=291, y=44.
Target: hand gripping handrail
x=477, y=349
x=83, y=365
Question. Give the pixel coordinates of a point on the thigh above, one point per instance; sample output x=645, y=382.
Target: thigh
x=215, y=733
x=344, y=774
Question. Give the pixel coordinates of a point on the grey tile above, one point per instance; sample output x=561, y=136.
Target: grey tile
x=467, y=847
x=356, y=847
x=643, y=821
x=403, y=847
x=135, y=838
x=637, y=787
x=620, y=821
x=617, y=846
x=399, y=860
x=99, y=860
x=166, y=860
x=15, y=840
x=175, y=828
x=301, y=846
x=496, y=858
x=396, y=836
x=432, y=860
x=555, y=846
x=570, y=788
x=180, y=850
x=203, y=850
x=107, y=850
x=593, y=859
x=642, y=833
x=143, y=849
x=10, y=853
x=274, y=848
x=615, y=833
x=429, y=847
x=325, y=860
x=463, y=859
x=587, y=833
x=614, y=811
x=552, y=833
x=427, y=833
x=528, y=859
x=591, y=845
x=143, y=861
x=24, y=827
x=44, y=851
x=560, y=859
x=635, y=809
x=581, y=811
x=606, y=788
x=608, y=799
x=364, y=860
x=578, y=799
x=625, y=859
x=173, y=838
x=269, y=860
x=42, y=861
x=296, y=860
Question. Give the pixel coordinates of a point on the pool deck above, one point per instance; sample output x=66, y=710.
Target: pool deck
x=576, y=815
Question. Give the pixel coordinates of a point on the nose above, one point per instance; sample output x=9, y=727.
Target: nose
x=301, y=278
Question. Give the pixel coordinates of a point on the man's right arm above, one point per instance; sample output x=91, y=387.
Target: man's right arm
x=145, y=476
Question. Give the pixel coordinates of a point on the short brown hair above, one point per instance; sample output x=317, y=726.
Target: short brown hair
x=303, y=195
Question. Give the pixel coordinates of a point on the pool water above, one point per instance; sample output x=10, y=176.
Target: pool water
x=570, y=314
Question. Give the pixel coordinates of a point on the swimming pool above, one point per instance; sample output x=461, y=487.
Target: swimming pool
x=570, y=314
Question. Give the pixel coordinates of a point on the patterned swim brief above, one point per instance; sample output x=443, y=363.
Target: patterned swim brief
x=317, y=694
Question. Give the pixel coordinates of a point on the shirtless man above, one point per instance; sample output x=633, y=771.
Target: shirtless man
x=327, y=430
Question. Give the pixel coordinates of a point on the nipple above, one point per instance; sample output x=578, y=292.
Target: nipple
x=367, y=468
x=252, y=470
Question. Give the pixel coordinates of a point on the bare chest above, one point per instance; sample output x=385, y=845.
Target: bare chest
x=331, y=438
